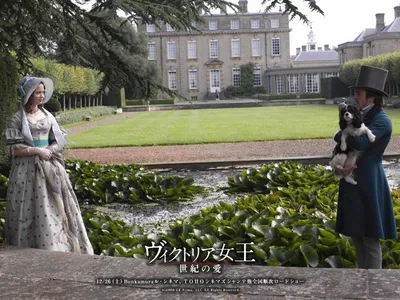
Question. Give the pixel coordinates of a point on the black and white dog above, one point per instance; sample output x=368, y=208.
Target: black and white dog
x=351, y=124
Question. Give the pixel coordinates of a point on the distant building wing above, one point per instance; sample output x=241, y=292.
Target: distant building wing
x=363, y=34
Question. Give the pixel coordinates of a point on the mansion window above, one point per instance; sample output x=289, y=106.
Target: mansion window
x=293, y=83
x=276, y=46
x=312, y=83
x=192, y=51
x=193, y=79
x=257, y=76
x=255, y=24
x=212, y=25
x=172, y=79
x=171, y=50
x=274, y=23
x=255, y=47
x=279, y=84
x=234, y=24
x=150, y=27
x=235, y=48
x=331, y=74
x=152, y=51
x=213, y=48
x=236, y=77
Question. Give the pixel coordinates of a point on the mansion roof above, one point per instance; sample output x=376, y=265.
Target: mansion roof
x=394, y=27
x=370, y=33
x=308, y=56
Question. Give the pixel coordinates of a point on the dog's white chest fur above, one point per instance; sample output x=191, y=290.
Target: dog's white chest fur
x=351, y=130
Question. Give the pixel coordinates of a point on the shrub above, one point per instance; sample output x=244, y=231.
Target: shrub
x=78, y=115
x=287, y=96
x=152, y=102
x=162, y=101
x=258, y=90
x=310, y=95
x=8, y=101
x=53, y=105
x=276, y=96
x=231, y=92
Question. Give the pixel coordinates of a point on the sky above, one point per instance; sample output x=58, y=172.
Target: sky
x=343, y=20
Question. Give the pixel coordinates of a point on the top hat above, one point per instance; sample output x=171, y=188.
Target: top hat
x=372, y=79
x=28, y=85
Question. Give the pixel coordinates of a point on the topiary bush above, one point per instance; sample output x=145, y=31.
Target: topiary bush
x=53, y=105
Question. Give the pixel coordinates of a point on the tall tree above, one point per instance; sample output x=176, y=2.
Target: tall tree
x=292, y=9
x=89, y=55
x=36, y=26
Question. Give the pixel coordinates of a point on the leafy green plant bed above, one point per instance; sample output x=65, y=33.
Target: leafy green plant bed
x=290, y=218
x=274, y=177
x=101, y=184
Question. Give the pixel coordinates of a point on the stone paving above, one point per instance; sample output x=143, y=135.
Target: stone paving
x=39, y=274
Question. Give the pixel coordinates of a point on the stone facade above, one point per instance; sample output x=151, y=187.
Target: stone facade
x=299, y=80
x=373, y=41
x=198, y=63
x=310, y=64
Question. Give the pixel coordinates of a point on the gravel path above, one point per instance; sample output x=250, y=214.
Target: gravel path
x=205, y=152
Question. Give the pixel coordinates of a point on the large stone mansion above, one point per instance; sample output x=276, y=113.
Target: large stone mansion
x=198, y=63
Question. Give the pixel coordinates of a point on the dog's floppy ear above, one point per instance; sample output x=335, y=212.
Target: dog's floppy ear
x=357, y=121
x=342, y=105
x=342, y=123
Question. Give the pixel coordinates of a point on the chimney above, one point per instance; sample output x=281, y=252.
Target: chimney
x=298, y=51
x=303, y=48
x=326, y=47
x=397, y=11
x=243, y=6
x=319, y=48
x=223, y=9
x=380, y=22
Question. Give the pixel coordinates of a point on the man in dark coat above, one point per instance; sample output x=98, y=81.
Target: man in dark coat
x=365, y=211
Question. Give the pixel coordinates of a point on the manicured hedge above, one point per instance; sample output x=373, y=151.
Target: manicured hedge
x=287, y=96
x=349, y=71
x=68, y=79
x=152, y=102
x=8, y=99
x=77, y=115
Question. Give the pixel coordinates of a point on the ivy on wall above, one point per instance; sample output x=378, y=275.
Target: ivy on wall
x=246, y=88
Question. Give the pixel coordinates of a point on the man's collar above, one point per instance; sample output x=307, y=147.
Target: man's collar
x=366, y=109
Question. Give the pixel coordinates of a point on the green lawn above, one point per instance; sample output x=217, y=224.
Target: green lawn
x=217, y=125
